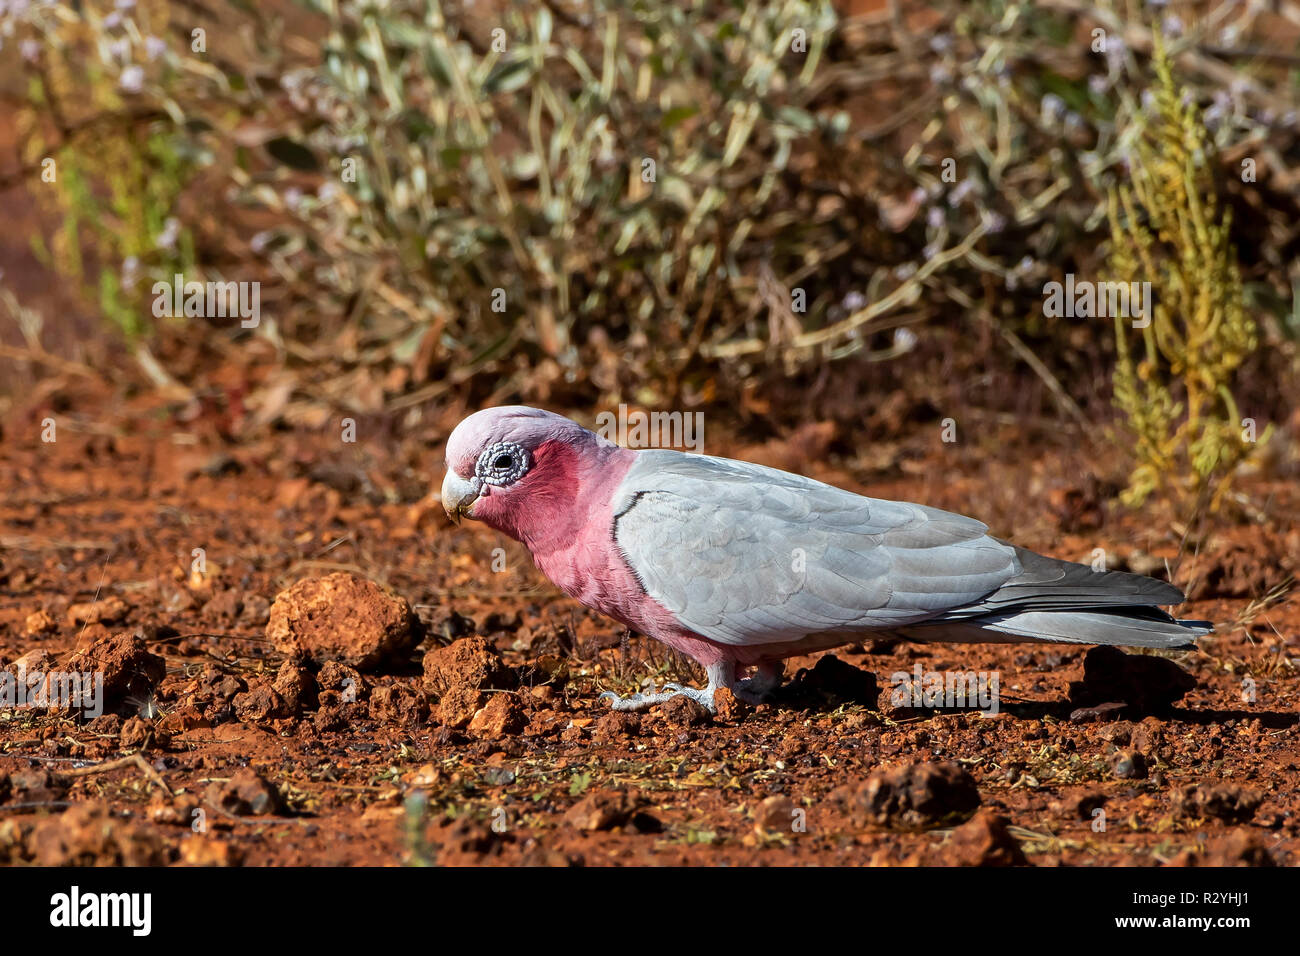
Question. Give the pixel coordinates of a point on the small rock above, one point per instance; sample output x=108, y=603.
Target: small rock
x=775, y=815
x=616, y=726
x=296, y=686
x=500, y=717
x=340, y=683
x=984, y=841
x=38, y=661
x=1218, y=802
x=398, y=704
x=343, y=617
x=90, y=834
x=108, y=611
x=458, y=707
x=137, y=734
x=728, y=707
x=913, y=796
x=247, y=793
x=604, y=810
x=683, y=711
x=40, y=624
x=1238, y=848
x=1083, y=806
x=199, y=850
x=1128, y=765
x=470, y=662
x=35, y=786
x=260, y=702
x=225, y=605
x=130, y=671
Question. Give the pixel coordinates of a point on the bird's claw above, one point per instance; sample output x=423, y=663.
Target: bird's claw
x=641, y=701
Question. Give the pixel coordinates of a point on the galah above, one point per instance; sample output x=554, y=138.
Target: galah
x=740, y=566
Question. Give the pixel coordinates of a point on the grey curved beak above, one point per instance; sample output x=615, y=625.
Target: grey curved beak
x=459, y=495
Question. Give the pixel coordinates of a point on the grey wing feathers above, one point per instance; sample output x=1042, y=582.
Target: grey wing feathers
x=1047, y=584
x=744, y=554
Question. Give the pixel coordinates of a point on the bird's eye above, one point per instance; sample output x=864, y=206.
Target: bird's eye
x=502, y=463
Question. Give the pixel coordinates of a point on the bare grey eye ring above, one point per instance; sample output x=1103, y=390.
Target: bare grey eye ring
x=502, y=463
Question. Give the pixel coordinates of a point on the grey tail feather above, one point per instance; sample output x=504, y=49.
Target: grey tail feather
x=1069, y=603
x=1125, y=627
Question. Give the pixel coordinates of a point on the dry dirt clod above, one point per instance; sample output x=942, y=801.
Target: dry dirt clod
x=247, y=793
x=1239, y=848
x=470, y=662
x=500, y=717
x=297, y=686
x=459, y=705
x=40, y=624
x=1128, y=765
x=88, y=834
x=343, y=617
x=616, y=726
x=1219, y=802
x=260, y=702
x=775, y=815
x=604, y=810
x=683, y=711
x=130, y=671
x=110, y=610
x=199, y=850
x=398, y=704
x=914, y=796
x=984, y=840
x=729, y=708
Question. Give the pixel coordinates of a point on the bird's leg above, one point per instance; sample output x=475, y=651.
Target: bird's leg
x=766, y=678
x=721, y=674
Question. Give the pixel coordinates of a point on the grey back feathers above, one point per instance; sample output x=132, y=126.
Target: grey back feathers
x=744, y=555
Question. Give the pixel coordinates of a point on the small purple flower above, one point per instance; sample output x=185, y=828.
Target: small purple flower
x=132, y=79
x=130, y=272
x=113, y=20
x=854, y=301
x=993, y=222
x=1098, y=84
x=120, y=49
x=154, y=47
x=31, y=50
x=1172, y=25
x=1052, y=108
x=935, y=218
x=171, y=230
x=940, y=43
x=124, y=4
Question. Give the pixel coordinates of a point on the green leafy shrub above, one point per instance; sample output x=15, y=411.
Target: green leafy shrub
x=1174, y=385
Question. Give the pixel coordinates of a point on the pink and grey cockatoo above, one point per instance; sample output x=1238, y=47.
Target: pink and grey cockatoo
x=742, y=566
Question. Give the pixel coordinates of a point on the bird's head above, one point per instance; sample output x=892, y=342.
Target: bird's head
x=513, y=462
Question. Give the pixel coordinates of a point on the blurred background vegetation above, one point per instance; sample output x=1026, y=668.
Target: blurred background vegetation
x=838, y=211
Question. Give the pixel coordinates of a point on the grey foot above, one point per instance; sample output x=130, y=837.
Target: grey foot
x=722, y=674
x=642, y=701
